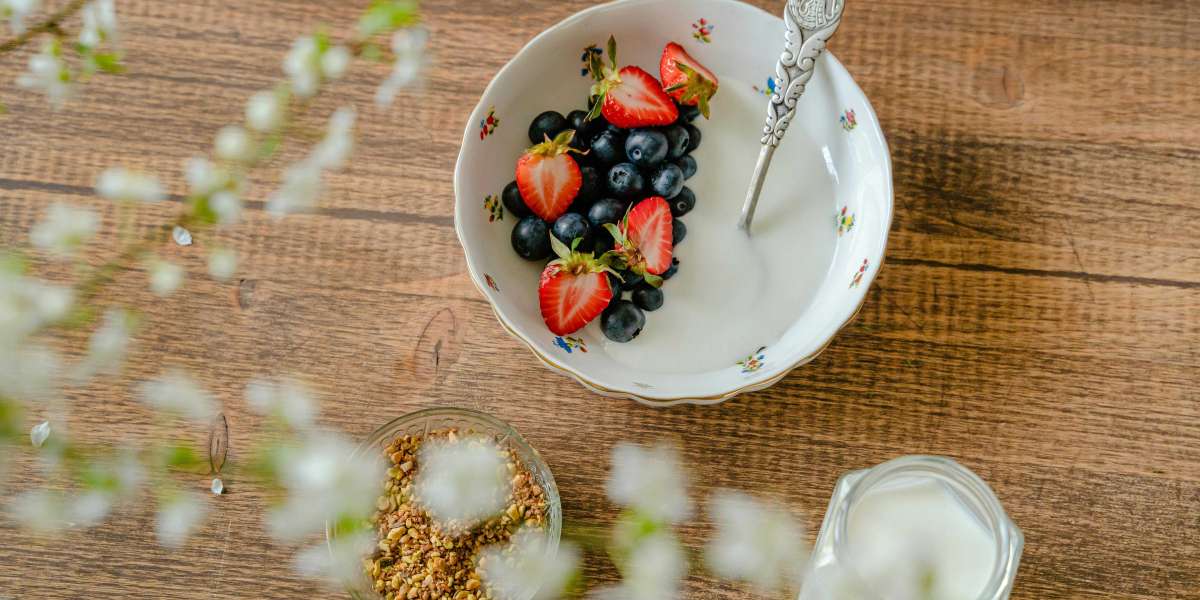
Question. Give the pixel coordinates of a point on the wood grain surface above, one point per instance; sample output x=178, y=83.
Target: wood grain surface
x=1038, y=318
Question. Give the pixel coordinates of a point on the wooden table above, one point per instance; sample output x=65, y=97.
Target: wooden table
x=1038, y=318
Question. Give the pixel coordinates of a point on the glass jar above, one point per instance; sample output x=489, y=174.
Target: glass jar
x=914, y=527
x=472, y=422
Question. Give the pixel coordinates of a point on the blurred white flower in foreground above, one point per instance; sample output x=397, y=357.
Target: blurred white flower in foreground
x=312, y=60
x=324, y=481
x=117, y=183
x=227, y=206
x=265, y=110
x=29, y=372
x=653, y=570
x=99, y=23
x=755, y=542
x=28, y=304
x=302, y=185
x=176, y=393
x=463, y=480
x=203, y=177
x=651, y=481
x=222, y=264
x=339, y=562
x=64, y=229
x=49, y=73
x=232, y=143
x=408, y=45
x=165, y=277
x=178, y=517
x=513, y=571
x=286, y=399
x=17, y=11
x=109, y=344
x=39, y=510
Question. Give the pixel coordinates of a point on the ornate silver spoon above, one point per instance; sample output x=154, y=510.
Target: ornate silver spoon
x=809, y=24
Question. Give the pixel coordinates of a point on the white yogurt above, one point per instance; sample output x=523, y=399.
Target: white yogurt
x=734, y=294
x=910, y=539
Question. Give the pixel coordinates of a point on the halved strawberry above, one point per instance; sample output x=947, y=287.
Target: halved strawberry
x=574, y=289
x=643, y=242
x=685, y=79
x=629, y=97
x=549, y=179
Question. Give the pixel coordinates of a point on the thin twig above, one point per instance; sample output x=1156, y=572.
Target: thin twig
x=52, y=24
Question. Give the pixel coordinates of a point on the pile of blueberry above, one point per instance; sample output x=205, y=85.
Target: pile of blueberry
x=619, y=168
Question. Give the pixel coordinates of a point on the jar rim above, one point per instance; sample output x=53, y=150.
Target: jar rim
x=1004, y=532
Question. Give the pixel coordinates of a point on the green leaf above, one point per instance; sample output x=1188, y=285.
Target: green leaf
x=560, y=248
x=612, y=52
x=201, y=210
x=109, y=62
x=387, y=15
x=575, y=243
x=181, y=456
x=652, y=279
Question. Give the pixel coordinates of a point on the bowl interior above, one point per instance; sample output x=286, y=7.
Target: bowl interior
x=475, y=422
x=827, y=203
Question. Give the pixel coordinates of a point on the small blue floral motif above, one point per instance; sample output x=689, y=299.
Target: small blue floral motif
x=770, y=88
x=571, y=344
x=754, y=362
x=586, y=58
x=848, y=120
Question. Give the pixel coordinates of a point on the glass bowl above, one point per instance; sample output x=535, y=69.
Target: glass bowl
x=422, y=422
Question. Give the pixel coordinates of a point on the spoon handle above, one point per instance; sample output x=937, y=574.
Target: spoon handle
x=809, y=24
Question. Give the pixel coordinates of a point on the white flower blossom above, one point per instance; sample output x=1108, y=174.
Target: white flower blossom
x=335, y=148
x=232, y=143
x=408, y=45
x=108, y=345
x=650, y=481
x=178, y=517
x=99, y=23
x=652, y=571
x=174, y=392
x=285, y=399
x=39, y=510
x=203, y=177
x=300, y=190
x=334, y=62
x=222, y=264
x=527, y=565
x=338, y=563
x=64, y=229
x=755, y=542
x=463, y=480
x=89, y=508
x=17, y=11
x=227, y=206
x=29, y=372
x=38, y=434
x=303, y=66
x=49, y=73
x=28, y=304
x=117, y=183
x=165, y=277
x=325, y=481
x=265, y=111
x=182, y=236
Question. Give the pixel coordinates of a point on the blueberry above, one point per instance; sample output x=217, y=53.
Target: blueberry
x=688, y=113
x=671, y=270
x=693, y=137
x=630, y=279
x=625, y=181
x=667, y=180
x=608, y=148
x=678, y=231
x=589, y=189
x=622, y=321
x=576, y=118
x=677, y=140
x=588, y=130
x=514, y=202
x=683, y=202
x=602, y=242
x=606, y=211
x=547, y=124
x=531, y=238
x=569, y=227
x=648, y=297
x=646, y=147
x=688, y=165
x=616, y=286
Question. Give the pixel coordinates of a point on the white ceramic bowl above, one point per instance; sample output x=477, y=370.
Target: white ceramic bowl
x=835, y=140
